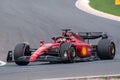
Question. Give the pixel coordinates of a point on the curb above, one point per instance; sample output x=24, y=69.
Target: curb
x=84, y=6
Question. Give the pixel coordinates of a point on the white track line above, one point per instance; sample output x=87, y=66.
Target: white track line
x=2, y=63
x=83, y=77
x=84, y=6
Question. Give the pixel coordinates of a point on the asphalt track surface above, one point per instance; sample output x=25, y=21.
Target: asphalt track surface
x=32, y=20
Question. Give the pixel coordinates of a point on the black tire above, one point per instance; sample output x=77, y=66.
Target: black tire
x=20, y=50
x=67, y=52
x=106, y=49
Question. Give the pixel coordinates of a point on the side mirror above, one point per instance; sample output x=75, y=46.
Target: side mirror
x=41, y=42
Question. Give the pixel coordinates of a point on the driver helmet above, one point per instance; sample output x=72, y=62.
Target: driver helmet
x=60, y=39
x=67, y=34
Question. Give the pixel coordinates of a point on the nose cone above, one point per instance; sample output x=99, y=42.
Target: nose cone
x=33, y=58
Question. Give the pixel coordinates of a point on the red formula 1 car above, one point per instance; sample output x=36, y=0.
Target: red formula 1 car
x=69, y=47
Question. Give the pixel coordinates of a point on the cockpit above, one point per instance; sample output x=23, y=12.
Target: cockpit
x=59, y=39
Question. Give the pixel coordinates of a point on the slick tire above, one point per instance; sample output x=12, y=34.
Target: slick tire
x=106, y=49
x=20, y=50
x=67, y=52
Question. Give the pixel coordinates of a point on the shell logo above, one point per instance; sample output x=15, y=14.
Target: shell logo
x=84, y=51
x=117, y=2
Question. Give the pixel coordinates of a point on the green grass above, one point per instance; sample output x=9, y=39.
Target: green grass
x=107, y=6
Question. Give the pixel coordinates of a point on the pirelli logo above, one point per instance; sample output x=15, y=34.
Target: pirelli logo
x=117, y=2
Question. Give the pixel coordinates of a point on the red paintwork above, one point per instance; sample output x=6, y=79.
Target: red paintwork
x=74, y=39
x=41, y=50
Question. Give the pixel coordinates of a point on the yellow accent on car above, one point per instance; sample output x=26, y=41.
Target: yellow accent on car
x=113, y=50
x=84, y=51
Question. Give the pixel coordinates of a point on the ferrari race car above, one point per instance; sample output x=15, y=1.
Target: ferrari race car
x=69, y=47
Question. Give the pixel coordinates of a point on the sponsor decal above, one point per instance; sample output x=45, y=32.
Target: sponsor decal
x=84, y=51
x=117, y=2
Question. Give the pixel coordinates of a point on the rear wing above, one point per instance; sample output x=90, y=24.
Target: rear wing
x=92, y=35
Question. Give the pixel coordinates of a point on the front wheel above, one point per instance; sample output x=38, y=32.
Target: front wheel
x=106, y=49
x=21, y=50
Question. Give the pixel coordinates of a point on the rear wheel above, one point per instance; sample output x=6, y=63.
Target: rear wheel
x=67, y=52
x=106, y=49
x=21, y=50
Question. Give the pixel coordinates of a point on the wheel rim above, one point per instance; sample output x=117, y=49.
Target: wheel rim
x=112, y=49
x=73, y=51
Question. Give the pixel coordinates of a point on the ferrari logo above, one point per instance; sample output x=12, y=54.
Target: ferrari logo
x=117, y=2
